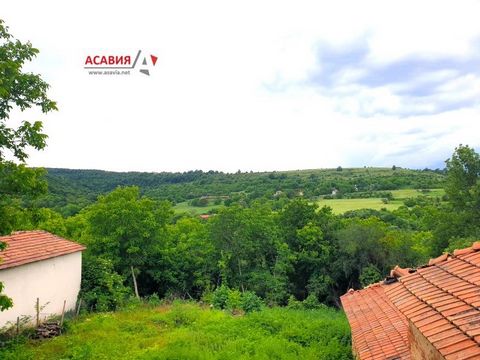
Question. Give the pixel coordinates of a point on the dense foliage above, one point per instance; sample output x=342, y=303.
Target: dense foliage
x=273, y=249
x=18, y=90
x=72, y=190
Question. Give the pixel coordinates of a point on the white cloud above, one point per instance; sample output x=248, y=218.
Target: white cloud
x=231, y=87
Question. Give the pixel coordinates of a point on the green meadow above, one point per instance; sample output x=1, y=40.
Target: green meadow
x=185, y=207
x=340, y=206
x=189, y=331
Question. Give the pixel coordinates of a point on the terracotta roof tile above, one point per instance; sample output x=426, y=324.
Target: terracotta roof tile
x=450, y=287
x=379, y=330
x=29, y=246
x=441, y=299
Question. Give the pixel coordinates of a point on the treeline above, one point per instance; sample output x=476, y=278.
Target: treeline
x=276, y=250
x=297, y=251
x=72, y=190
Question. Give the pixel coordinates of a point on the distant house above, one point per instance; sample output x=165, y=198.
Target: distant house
x=204, y=216
x=37, y=264
x=334, y=192
x=427, y=313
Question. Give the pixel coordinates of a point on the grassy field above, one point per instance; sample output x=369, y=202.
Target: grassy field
x=187, y=331
x=195, y=210
x=340, y=206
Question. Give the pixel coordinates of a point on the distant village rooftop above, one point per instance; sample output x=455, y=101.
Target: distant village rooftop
x=426, y=313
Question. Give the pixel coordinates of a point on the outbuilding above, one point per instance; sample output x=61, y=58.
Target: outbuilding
x=39, y=265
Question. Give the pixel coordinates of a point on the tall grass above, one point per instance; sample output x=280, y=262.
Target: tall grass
x=188, y=331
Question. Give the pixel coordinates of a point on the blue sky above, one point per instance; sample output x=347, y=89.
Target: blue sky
x=248, y=85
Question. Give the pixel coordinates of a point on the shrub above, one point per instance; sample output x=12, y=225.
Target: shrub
x=250, y=302
x=153, y=300
x=312, y=303
x=102, y=288
x=293, y=303
x=220, y=297
x=234, y=300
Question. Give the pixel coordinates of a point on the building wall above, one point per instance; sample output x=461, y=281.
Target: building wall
x=52, y=281
x=420, y=347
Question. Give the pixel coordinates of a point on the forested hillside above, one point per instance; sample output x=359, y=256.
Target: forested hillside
x=274, y=246
x=71, y=190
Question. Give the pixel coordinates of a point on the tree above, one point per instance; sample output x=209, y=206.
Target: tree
x=186, y=262
x=460, y=217
x=127, y=229
x=19, y=90
x=463, y=179
x=245, y=241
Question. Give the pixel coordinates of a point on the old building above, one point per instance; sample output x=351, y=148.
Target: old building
x=37, y=264
x=427, y=313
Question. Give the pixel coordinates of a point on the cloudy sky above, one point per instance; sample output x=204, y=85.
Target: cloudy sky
x=256, y=85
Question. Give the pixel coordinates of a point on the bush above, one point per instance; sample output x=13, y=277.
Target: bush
x=220, y=297
x=293, y=303
x=312, y=303
x=153, y=300
x=102, y=288
x=131, y=303
x=250, y=302
x=233, y=300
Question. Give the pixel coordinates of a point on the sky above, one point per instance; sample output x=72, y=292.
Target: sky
x=255, y=85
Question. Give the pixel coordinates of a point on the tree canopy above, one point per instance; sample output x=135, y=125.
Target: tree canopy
x=18, y=90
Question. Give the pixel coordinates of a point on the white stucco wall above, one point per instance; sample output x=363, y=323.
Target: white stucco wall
x=53, y=280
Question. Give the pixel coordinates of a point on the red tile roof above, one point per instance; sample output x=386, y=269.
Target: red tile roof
x=379, y=330
x=442, y=300
x=28, y=246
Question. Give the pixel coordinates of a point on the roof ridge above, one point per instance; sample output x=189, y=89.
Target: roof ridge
x=18, y=232
x=398, y=272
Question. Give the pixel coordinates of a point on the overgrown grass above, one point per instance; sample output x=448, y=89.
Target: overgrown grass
x=187, y=331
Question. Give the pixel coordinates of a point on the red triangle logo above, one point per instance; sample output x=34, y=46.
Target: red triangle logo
x=154, y=59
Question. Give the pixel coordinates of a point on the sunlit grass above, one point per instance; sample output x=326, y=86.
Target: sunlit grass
x=340, y=206
x=195, y=210
x=188, y=331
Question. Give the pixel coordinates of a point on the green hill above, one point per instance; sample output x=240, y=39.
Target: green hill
x=71, y=190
